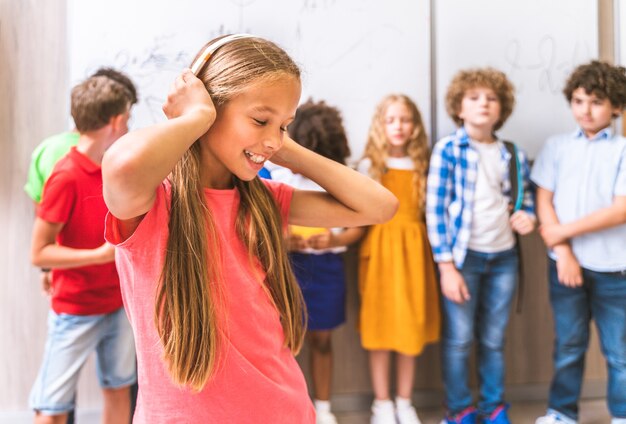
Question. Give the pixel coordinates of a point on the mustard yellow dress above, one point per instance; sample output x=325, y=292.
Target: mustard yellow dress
x=397, y=283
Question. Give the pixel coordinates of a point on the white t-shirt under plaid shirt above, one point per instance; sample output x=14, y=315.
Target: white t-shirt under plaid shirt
x=450, y=194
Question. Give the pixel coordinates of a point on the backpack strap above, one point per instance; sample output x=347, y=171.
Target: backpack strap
x=515, y=177
x=517, y=197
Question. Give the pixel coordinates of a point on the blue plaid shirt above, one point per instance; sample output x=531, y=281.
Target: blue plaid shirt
x=450, y=194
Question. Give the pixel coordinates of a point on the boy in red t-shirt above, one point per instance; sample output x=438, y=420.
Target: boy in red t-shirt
x=68, y=236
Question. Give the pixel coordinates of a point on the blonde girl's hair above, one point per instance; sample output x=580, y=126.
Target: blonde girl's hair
x=188, y=311
x=377, y=146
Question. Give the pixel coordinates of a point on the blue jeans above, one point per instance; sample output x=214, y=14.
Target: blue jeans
x=71, y=339
x=491, y=279
x=603, y=298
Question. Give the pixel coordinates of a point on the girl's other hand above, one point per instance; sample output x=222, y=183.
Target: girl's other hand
x=296, y=242
x=522, y=223
x=187, y=95
x=322, y=240
x=283, y=156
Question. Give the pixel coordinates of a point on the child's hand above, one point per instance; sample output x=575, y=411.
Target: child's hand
x=522, y=223
x=553, y=234
x=453, y=285
x=45, y=278
x=568, y=270
x=188, y=95
x=296, y=242
x=322, y=240
x=282, y=156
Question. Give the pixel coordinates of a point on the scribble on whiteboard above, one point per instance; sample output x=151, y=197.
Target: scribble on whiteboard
x=547, y=66
x=371, y=45
x=152, y=69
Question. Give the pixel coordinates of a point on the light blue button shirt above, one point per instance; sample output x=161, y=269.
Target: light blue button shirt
x=584, y=176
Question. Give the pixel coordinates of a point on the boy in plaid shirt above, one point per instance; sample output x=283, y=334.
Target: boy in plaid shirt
x=471, y=225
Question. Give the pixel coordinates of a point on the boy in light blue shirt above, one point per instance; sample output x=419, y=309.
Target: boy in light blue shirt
x=581, y=204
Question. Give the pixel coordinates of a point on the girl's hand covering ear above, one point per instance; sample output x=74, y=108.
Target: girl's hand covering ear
x=187, y=95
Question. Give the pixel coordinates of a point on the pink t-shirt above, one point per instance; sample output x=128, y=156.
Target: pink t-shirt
x=258, y=380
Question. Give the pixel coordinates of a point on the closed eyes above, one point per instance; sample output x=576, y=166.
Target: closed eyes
x=263, y=123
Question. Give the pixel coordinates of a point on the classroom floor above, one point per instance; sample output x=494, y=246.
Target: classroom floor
x=591, y=411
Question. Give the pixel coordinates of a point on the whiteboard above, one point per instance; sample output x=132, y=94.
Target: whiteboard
x=537, y=43
x=352, y=52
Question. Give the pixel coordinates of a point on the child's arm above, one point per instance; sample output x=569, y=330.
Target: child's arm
x=46, y=253
x=438, y=196
x=568, y=268
x=330, y=239
x=350, y=200
x=138, y=162
x=453, y=285
x=601, y=219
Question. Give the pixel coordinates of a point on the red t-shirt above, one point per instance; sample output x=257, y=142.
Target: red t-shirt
x=258, y=379
x=73, y=196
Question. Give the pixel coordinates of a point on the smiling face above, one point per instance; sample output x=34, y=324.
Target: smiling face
x=592, y=113
x=248, y=130
x=399, y=127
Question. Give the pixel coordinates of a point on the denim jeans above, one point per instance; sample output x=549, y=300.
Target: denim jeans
x=71, y=339
x=491, y=279
x=603, y=298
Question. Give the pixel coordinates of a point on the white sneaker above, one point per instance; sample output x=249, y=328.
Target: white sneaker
x=407, y=415
x=383, y=412
x=554, y=418
x=325, y=417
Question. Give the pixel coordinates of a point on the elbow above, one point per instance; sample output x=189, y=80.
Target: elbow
x=387, y=209
x=118, y=172
x=37, y=260
x=117, y=167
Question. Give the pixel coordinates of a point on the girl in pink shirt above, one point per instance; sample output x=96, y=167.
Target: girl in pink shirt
x=205, y=278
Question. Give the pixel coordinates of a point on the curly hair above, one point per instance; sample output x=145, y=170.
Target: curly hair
x=319, y=128
x=602, y=79
x=491, y=78
x=377, y=146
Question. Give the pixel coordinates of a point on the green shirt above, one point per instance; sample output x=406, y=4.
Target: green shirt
x=43, y=159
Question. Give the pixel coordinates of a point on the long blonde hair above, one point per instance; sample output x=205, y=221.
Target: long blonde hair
x=377, y=146
x=188, y=303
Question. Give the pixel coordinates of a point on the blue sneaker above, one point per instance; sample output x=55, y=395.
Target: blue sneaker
x=466, y=416
x=498, y=416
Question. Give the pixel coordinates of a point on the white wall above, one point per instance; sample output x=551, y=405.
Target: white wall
x=33, y=89
x=352, y=52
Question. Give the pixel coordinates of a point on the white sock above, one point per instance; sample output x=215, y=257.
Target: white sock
x=322, y=405
x=402, y=403
x=382, y=403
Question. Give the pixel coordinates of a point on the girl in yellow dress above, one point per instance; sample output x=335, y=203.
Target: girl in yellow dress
x=399, y=293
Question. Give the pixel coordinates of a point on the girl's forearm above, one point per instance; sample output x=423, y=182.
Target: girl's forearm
x=368, y=199
x=139, y=161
